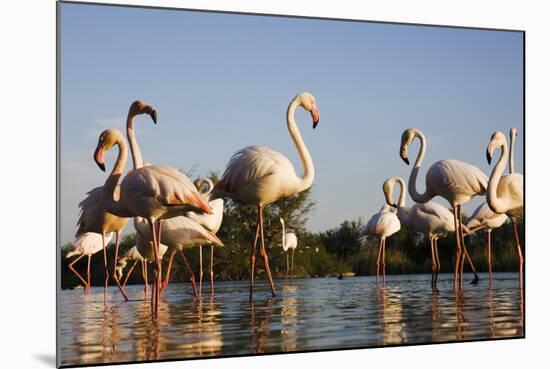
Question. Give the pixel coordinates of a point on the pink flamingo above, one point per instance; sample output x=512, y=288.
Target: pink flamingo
x=212, y=222
x=505, y=192
x=455, y=181
x=86, y=244
x=152, y=192
x=259, y=176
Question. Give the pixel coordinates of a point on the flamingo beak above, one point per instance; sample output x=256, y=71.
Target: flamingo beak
x=154, y=115
x=404, y=155
x=489, y=156
x=99, y=158
x=315, y=116
x=394, y=205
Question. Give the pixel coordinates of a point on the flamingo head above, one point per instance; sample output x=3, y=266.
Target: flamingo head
x=200, y=185
x=497, y=140
x=307, y=101
x=282, y=221
x=513, y=132
x=406, y=139
x=107, y=139
x=387, y=187
x=139, y=107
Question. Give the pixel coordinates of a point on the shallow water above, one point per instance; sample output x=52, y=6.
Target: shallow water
x=307, y=314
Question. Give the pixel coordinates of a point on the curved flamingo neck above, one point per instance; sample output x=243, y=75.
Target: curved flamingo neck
x=511, y=168
x=418, y=197
x=495, y=203
x=108, y=201
x=307, y=163
x=284, y=236
x=210, y=188
x=402, y=210
x=134, y=147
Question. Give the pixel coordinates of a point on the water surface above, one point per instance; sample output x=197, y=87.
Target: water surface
x=307, y=314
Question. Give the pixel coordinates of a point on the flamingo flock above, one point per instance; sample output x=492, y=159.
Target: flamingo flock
x=171, y=213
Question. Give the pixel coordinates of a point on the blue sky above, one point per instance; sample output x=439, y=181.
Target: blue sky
x=222, y=82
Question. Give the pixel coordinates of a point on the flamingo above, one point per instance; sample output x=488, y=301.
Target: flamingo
x=152, y=192
x=484, y=218
x=93, y=218
x=455, y=181
x=430, y=218
x=212, y=222
x=178, y=233
x=133, y=254
x=259, y=176
x=86, y=244
x=505, y=192
x=289, y=241
x=382, y=224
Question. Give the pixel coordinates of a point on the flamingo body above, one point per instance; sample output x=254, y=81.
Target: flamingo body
x=88, y=243
x=484, y=217
x=382, y=224
x=455, y=181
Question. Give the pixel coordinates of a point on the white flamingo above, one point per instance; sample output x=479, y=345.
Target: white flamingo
x=93, y=218
x=178, y=233
x=133, y=254
x=382, y=224
x=289, y=242
x=152, y=192
x=259, y=176
x=86, y=244
x=212, y=222
x=484, y=218
x=455, y=181
x=505, y=192
x=430, y=218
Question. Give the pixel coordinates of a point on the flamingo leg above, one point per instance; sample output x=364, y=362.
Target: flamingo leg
x=88, y=271
x=200, y=270
x=128, y=274
x=156, y=269
x=115, y=277
x=456, y=213
x=520, y=255
x=263, y=253
x=438, y=265
x=106, y=269
x=489, y=257
x=431, y=239
x=378, y=261
x=71, y=267
x=384, y=261
x=253, y=254
x=292, y=265
x=159, y=228
x=144, y=275
x=190, y=272
x=466, y=255
x=167, y=276
x=212, y=269
x=287, y=265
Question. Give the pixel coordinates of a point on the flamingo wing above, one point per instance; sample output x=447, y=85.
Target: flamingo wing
x=458, y=177
x=251, y=164
x=211, y=222
x=164, y=185
x=383, y=223
x=291, y=241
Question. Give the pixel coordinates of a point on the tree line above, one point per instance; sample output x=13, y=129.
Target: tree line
x=321, y=254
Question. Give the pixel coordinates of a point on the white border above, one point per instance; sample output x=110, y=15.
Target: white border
x=27, y=144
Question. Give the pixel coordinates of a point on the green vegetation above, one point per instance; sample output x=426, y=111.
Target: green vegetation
x=318, y=254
